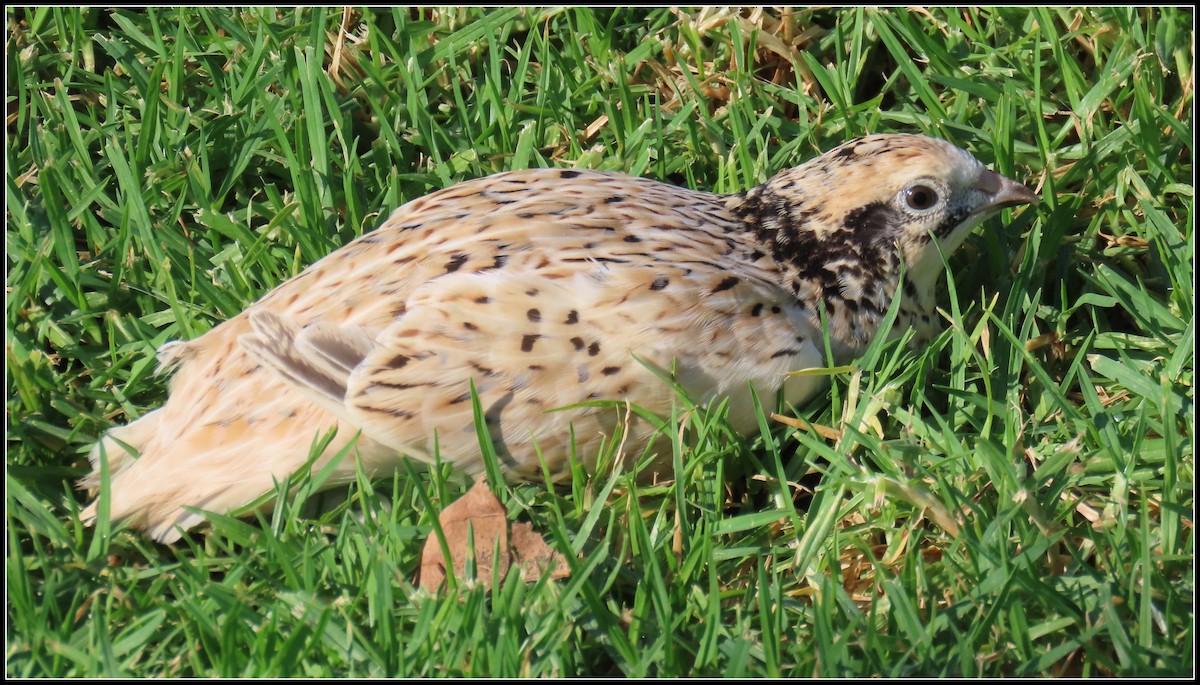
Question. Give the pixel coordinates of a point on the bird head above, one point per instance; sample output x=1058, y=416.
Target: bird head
x=845, y=225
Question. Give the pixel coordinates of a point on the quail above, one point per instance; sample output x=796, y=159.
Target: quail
x=551, y=291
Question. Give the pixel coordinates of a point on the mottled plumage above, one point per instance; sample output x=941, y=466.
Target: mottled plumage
x=548, y=288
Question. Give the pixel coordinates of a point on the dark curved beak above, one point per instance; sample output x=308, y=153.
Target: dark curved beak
x=1002, y=192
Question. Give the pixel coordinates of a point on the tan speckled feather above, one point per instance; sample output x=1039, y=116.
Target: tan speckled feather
x=541, y=287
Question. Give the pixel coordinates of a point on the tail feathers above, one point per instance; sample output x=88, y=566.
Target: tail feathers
x=120, y=446
x=151, y=492
x=152, y=495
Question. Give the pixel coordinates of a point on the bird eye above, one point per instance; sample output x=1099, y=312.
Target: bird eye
x=920, y=197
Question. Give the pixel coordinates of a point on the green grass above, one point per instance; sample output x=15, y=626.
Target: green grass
x=1015, y=498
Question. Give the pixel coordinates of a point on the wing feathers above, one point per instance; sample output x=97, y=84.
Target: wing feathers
x=273, y=343
x=333, y=349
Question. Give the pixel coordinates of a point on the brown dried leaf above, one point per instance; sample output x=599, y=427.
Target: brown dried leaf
x=534, y=557
x=476, y=513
